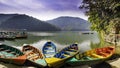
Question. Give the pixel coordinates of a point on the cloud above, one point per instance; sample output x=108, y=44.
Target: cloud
x=21, y=4
x=61, y=5
x=57, y=5
x=42, y=9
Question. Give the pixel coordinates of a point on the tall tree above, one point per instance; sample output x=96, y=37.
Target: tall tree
x=103, y=14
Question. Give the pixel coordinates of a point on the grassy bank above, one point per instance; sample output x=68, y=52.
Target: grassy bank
x=97, y=45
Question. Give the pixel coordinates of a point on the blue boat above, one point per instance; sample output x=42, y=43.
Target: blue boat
x=62, y=56
x=49, y=49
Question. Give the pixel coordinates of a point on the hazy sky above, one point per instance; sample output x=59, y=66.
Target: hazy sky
x=43, y=9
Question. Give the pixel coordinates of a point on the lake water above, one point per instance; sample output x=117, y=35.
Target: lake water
x=60, y=39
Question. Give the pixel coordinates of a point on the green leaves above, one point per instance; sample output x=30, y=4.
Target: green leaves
x=103, y=14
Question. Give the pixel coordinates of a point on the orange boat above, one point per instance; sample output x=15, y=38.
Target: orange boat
x=10, y=54
x=93, y=56
x=34, y=56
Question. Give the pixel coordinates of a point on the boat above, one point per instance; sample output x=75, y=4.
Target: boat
x=34, y=56
x=62, y=56
x=92, y=57
x=21, y=34
x=12, y=55
x=49, y=49
x=7, y=35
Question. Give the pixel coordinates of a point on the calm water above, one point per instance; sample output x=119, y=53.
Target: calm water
x=60, y=39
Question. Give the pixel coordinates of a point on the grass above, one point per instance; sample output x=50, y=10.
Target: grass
x=117, y=50
x=94, y=45
x=97, y=45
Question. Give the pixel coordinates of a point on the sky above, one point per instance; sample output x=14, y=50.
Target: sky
x=43, y=9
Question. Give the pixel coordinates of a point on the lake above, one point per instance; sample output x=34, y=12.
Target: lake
x=59, y=38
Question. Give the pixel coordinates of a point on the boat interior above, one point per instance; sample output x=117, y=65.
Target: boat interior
x=9, y=52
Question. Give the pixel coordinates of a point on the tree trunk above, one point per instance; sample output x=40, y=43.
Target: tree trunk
x=102, y=38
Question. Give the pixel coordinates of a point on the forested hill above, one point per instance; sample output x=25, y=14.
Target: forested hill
x=18, y=21
x=70, y=23
x=4, y=17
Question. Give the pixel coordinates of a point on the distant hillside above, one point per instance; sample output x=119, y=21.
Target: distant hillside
x=4, y=17
x=70, y=23
x=27, y=22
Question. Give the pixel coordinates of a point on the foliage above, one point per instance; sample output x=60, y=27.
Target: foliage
x=102, y=13
x=94, y=45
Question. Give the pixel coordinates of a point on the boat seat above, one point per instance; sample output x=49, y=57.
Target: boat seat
x=88, y=58
x=72, y=50
x=35, y=57
x=58, y=55
x=27, y=48
x=103, y=54
x=28, y=51
x=110, y=48
x=12, y=52
x=62, y=56
x=7, y=50
x=108, y=51
x=67, y=53
x=96, y=56
x=17, y=55
x=2, y=49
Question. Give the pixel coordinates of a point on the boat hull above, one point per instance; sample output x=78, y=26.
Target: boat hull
x=49, y=50
x=61, y=57
x=34, y=56
x=78, y=63
x=92, y=57
x=12, y=55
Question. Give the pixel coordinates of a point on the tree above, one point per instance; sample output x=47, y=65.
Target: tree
x=103, y=14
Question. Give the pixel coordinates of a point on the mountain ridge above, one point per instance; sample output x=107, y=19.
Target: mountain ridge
x=22, y=21
x=70, y=23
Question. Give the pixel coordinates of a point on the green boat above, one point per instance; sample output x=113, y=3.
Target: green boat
x=10, y=54
x=92, y=57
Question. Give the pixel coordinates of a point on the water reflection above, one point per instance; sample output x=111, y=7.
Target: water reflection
x=60, y=39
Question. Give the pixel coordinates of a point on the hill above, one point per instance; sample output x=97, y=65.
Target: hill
x=4, y=17
x=70, y=23
x=26, y=22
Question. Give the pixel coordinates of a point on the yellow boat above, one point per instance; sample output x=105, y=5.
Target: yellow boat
x=60, y=57
x=92, y=57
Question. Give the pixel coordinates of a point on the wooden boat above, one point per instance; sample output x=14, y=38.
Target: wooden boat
x=21, y=34
x=49, y=49
x=7, y=35
x=92, y=57
x=11, y=55
x=60, y=57
x=34, y=56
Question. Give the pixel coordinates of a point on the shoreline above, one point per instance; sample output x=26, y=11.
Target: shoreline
x=108, y=64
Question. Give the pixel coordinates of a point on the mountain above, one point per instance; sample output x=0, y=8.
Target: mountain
x=70, y=23
x=4, y=17
x=20, y=21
